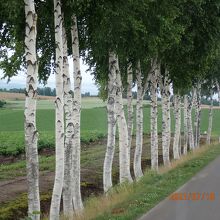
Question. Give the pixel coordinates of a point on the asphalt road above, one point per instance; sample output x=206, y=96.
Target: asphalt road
x=198, y=199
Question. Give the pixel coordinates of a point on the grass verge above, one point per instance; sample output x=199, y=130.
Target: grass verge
x=131, y=201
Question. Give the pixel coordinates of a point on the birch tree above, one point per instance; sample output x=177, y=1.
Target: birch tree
x=209, y=133
x=69, y=131
x=31, y=133
x=189, y=121
x=77, y=200
x=109, y=154
x=177, y=135
x=142, y=86
x=165, y=102
x=130, y=105
x=154, y=112
x=124, y=161
x=197, y=114
x=186, y=139
x=59, y=120
x=139, y=125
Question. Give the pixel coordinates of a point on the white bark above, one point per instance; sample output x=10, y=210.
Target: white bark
x=109, y=155
x=139, y=125
x=209, y=133
x=177, y=114
x=77, y=200
x=166, y=132
x=31, y=134
x=197, y=115
x=59, y=121
x=69, y=132
x=154, y=112
x=129, y=106
x=185, y=125
x=124, y=160
x=218, y=90
x=189, y=122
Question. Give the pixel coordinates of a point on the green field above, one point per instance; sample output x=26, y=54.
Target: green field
x=93, y=124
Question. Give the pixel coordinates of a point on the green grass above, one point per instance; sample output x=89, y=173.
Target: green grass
x=93, y=127
x=87, y=103
x=128, y=202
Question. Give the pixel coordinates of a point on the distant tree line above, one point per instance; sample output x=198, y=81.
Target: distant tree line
x=46, y=91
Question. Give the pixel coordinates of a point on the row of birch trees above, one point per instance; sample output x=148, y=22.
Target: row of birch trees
x=170, y=48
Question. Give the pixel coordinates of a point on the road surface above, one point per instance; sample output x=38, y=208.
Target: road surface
x=198, y=199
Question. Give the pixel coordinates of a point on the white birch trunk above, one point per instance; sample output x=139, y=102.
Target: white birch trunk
x=154, y=112
x=77, y=200
x=189, y=123
x=109, y=155
x=186, y=139
x=31, y=133
x=59, y=121
x=139, y=125
x=208, y=140
x=197, y=115
x=177, y=114
x=124, y=160
x=69, y=132
x=165, y=97
x=218, y=90
x=129, y=106
x=168, y=117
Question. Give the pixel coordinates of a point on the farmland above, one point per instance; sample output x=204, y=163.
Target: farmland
x=93, y=123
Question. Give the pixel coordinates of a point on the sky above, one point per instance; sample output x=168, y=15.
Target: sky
x=88, y=83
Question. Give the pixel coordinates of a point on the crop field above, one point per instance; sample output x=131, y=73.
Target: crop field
x=93, y=123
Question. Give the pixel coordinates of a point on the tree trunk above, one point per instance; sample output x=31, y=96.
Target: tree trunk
x=109, y=155
x=59, y=122
x=186, y=139
x=197, y=115
x=31, y=134
x=77, y=200
x=68, y=150
x=124, y=162
x=129, y=106
x=189, y=123
x=165, y=97
x=218, y=90
x=208, y=140
x=177, y=114
x=154, y=132
x=139, y=125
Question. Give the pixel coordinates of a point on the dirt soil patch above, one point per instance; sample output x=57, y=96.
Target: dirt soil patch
x=20, y=96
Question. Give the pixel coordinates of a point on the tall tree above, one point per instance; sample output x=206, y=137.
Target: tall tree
x=109, y=155
x=77, y=200
x=59, y=121
x=69, y=131
x=124, y=160
x=130, y=105
x=31, y=133
x=154, y=114
x=177, y=133
x=166, y=134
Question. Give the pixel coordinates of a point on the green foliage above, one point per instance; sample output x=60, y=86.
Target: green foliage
x=2, y=103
